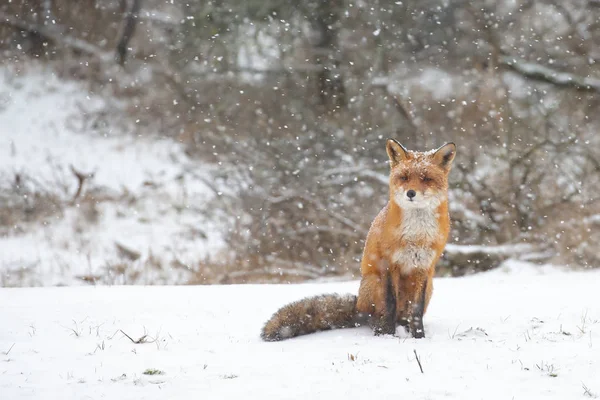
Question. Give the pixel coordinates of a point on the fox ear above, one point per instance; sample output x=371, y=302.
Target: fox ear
x=396, y=152
x=444, y=155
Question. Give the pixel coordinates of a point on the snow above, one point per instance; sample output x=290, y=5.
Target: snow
x=50, y=139
x=496, y=335
x=508, y=249
x=153, y=197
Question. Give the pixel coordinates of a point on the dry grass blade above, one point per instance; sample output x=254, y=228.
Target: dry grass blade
x=587, y=392
x=74, y=331
x=141, y=340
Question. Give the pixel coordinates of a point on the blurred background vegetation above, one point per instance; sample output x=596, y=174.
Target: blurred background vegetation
x=293, y=101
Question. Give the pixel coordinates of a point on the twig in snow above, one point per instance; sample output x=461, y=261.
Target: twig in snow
x=7, y=352
x=418, y=361
x=587, y=391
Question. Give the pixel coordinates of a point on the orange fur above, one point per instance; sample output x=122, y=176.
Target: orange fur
x=423, y=173
x=404, y=243
x=386, y=236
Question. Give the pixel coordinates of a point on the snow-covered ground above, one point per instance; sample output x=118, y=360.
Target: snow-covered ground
x=150, y=199
x=515, y=333
x=519, y=332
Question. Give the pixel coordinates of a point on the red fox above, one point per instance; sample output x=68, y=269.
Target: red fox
x=403, y=245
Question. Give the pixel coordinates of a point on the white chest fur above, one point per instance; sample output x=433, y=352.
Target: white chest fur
x=413, y=257
x=419, y=224
x=418, y=230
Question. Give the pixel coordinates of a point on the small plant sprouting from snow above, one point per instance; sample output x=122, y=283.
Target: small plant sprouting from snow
x=548, y=368
x=153, y=371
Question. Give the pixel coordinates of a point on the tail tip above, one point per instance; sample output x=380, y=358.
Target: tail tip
x=275, y=335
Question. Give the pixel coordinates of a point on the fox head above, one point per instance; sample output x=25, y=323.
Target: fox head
x=419, y=179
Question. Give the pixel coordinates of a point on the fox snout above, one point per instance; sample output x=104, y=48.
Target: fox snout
x=417, y=198
x=412, y=195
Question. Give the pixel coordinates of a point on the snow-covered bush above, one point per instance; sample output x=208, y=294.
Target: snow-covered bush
x=293, y=103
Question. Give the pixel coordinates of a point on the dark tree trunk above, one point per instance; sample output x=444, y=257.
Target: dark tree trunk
x=128, y=30
x=329, y=78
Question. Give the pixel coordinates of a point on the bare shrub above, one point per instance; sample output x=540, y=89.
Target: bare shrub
x=298, y=136
x=24, y=200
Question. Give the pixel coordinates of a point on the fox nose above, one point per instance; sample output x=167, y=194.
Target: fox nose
x=411, y=193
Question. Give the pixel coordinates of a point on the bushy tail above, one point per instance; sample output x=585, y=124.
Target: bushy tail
x=309, y=315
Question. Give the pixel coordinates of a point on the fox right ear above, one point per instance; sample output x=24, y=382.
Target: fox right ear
x=396, y=152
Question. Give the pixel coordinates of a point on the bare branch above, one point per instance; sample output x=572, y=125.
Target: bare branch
x=56, y=35
x=544, y=74
x=81, y=178
x=352, y=172
x=318, y=205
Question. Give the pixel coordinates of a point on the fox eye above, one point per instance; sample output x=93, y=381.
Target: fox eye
x=404, y=178
x=427, y=179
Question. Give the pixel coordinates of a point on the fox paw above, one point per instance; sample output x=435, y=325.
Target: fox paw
x=419, y=334
x=416, y=327
x=384, y=328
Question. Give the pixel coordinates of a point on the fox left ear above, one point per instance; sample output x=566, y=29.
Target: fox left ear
x=444, y=155
x=396, y=152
